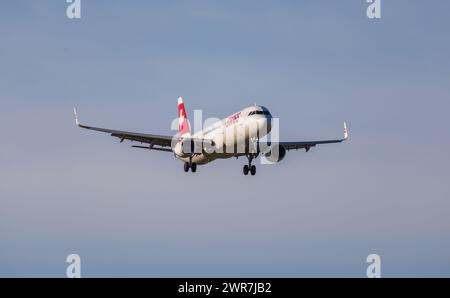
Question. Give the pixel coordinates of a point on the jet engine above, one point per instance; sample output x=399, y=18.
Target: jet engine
x=276, y=153
x=188, y=146
x=183, y=148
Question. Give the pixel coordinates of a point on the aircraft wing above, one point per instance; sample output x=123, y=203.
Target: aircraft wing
x=164, y=143
x=308, y=144
x=159, y=140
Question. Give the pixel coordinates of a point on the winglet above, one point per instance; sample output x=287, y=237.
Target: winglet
x=345, y=131
x=77, y=121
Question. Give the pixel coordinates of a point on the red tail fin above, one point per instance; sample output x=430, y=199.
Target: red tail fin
x=183, y=124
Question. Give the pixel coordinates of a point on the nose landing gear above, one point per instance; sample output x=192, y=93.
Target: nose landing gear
x=250, y=168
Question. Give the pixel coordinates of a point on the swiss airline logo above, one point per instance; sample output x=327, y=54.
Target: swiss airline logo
x=183, y=124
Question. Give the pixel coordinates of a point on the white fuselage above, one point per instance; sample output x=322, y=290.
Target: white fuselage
x=233, y=136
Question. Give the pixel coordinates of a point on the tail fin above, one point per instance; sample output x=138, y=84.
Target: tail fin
x=183, y=124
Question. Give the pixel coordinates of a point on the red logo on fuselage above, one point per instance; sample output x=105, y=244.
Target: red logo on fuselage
x=233, y=119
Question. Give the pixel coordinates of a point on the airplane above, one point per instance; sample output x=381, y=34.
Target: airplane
x=234, y=136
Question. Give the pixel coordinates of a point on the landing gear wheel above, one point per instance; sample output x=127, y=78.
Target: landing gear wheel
x=246, y=170
x=194, y=167
x=186, y=167
x=250, y=168
x=253, y=170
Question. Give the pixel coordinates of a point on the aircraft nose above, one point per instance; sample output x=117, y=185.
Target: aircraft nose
x=265, y=124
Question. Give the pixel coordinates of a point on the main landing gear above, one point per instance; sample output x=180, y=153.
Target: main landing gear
x=192, y=166
x=250, y=168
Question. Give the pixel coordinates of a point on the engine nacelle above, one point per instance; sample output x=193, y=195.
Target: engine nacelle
x=183, y=148
x=276, y=153
x=187, y=147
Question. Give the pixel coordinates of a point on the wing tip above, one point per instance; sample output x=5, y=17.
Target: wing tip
x=77, y=121
x=345, y=131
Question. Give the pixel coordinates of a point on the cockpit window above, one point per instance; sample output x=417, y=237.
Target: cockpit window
x=265, y=112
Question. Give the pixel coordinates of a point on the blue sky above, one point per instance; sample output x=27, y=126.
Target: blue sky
x=314, y=64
